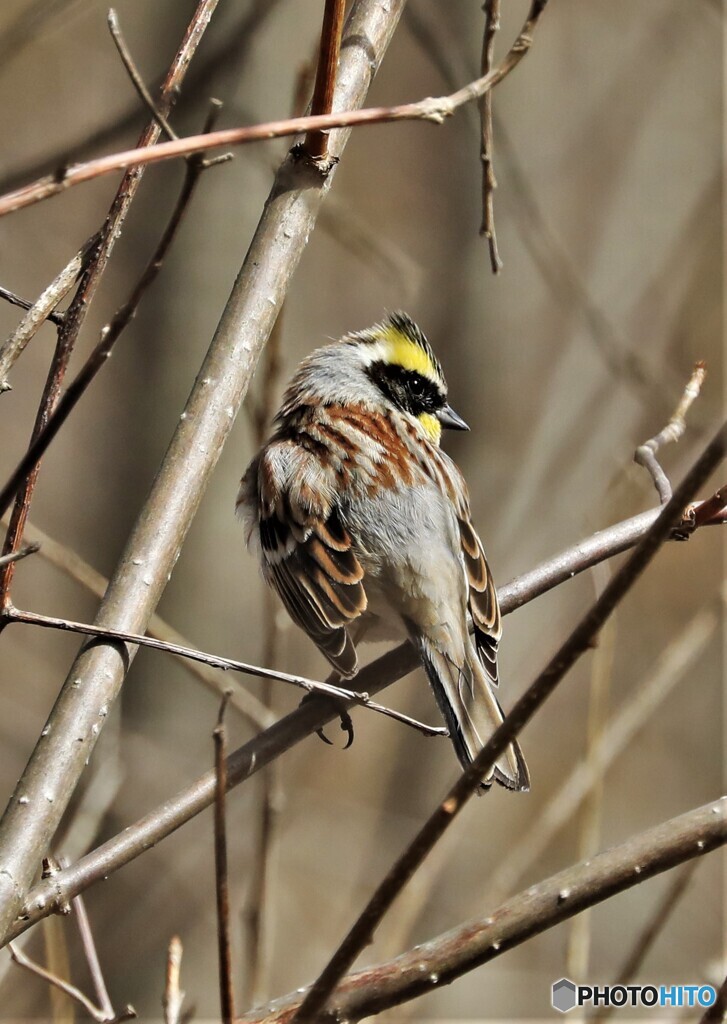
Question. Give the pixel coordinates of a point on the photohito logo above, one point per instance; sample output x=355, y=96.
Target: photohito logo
x=566, y=994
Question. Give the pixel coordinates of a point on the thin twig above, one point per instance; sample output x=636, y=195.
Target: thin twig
x=109, y=334
x=339, y=693
x=227, y=996
x=173, y=995
x=135, y=76
x=15, y=300
x=71, y=563
x=489, y=181
x=577, y=643
x=709, y=511
x=16, y=556
x=248, y=759
x=441, y=960
x=645, y=454
x=41, y=310
x=98, y=1014
x=89, y=948
x=316, y=142
x=433, y=110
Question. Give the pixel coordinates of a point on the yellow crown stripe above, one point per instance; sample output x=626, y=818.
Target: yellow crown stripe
x=402, y=351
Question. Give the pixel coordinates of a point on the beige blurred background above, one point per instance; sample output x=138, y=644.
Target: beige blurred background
x=608, y=152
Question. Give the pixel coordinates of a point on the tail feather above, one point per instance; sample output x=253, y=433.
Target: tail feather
x=472, y=713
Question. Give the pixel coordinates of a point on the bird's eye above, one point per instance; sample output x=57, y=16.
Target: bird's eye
x=417, y=384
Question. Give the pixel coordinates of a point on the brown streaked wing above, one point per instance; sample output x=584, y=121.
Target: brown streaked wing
x=482, y=600
x=320, y=584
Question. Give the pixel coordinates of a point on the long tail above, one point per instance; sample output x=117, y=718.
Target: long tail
x=472, y=713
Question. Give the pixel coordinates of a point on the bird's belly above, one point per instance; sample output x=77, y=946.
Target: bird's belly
x=382, y=620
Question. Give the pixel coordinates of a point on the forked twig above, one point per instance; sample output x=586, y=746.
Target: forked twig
x=135, y=75
x=70, y=990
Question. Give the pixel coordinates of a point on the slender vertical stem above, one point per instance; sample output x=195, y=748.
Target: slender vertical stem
x=316, y=142
x=489, y=182
x=227, y=998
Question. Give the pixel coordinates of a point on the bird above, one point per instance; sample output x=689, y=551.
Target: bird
x=361, y=523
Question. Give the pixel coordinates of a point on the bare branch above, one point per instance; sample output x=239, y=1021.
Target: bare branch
x=69, y=562
x=577, y=643
x=41, y=310
x=16, y=300
x=173, y=995
x=338, y=693
x=443, y=959
x=98, y=1014
x=316, y=142
x=645, y=455
x=671, y=668
x=89, y=948
x=489, y=181
x=431, y=109
x=135, y=76
x=17, y=556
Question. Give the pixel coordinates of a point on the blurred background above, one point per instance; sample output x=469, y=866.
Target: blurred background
x=608, y=154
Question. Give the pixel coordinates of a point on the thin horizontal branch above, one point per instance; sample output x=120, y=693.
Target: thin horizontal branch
x=443, y=959
x=17, y=556
x=248, y=759
x=71, y=563
x=434, y=110
x=16, y=300
x=327, y=690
